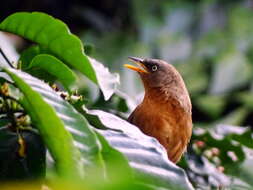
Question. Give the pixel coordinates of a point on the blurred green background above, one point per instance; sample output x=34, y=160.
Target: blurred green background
x=209, y=41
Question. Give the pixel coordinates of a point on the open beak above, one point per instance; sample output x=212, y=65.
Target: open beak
x=141, y=69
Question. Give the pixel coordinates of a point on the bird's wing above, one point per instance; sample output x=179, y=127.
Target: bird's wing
x=176, y=151
x=131, y=117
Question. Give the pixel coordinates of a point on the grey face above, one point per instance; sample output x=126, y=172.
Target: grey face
x=159, y=73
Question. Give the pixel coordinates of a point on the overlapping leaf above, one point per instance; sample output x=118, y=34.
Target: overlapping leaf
x=85, y=138
x=53, y=34
x=54, y=37
x=55, y=67
x=57, y=139
x=107, y=81
x=145, y=154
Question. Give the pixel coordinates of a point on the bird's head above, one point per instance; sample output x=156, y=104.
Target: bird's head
x=154, y=72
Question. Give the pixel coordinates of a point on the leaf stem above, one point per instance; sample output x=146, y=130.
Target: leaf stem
x=6, y=59
x=9, y=97
x=10, y=114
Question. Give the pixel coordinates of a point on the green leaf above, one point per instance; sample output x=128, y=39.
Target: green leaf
x=4, y=78
x=85, y=138
x=245, y=98
x=218, y=137
x=107, y=81
x=231, y=155
x=54, y=37
x=4, y=121
x=231, y=71
x=241, y=134
x=115, y=161
x=52, y=34
x=51, y=128
x=236, y=117
x=27, y=55
x=211, y=105
x=146, y=156
x=56, y=68
x=26, y=58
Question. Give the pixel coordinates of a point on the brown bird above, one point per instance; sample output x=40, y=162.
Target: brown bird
x=165, y=112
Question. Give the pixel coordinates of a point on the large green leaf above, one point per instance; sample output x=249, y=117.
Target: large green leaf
x=145, y=154
x=27, y=55
x=115, y=162
x=54, y=37
x=106, y=80
x=85, y=138
x=4, y=77
x=57, y=139
x=56, y=68
x=26, y=59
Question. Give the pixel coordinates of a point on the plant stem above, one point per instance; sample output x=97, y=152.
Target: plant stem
x=9, y=97
x=6, y=59
x=10, y=114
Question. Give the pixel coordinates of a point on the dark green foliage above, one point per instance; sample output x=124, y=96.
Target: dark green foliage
x=129, y=140
x=14, y=166
x=77, y=149
x=53, y=35
x=57, y=139
x=215, y=61
x=210, y=43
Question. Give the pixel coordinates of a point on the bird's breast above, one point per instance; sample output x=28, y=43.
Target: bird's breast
x=169, y=124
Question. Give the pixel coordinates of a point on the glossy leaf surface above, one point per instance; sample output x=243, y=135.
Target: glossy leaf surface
x=144, y=153
x=57, y=139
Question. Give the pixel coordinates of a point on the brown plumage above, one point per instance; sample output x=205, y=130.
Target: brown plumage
x=165, y=112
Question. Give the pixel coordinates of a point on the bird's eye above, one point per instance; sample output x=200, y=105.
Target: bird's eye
x=154, y=68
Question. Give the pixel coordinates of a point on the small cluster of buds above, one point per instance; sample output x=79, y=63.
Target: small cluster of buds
x=74, y=97
x=4, y=90
x=211, y=153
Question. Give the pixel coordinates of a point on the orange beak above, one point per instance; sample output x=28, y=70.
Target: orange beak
x=139, y=62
